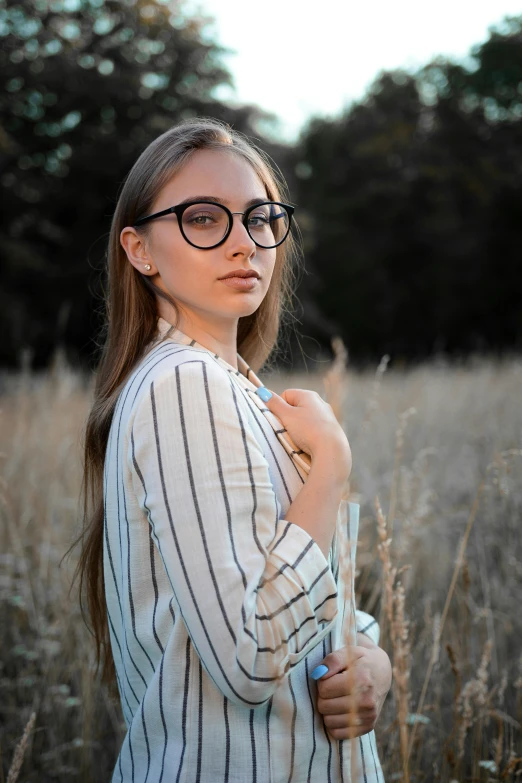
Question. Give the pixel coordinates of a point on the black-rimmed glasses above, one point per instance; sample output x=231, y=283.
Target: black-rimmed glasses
x=207, y=224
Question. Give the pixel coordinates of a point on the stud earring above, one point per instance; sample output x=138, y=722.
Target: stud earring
x=147, y=267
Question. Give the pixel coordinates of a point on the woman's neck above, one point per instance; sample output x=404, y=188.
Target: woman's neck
x=218, y=337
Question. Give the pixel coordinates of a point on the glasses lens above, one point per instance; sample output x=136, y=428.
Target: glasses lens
x=268, y=224
x=205, y=224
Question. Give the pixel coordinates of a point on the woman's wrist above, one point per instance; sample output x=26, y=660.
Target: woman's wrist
x=335, y=462
x=316, y=505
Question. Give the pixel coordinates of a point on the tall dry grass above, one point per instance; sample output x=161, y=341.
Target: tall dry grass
x=438, y=473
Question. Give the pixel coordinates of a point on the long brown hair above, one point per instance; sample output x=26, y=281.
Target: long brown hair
x=131, y=323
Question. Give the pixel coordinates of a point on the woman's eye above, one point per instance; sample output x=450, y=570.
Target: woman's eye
x=201, y=220
x=258, y=220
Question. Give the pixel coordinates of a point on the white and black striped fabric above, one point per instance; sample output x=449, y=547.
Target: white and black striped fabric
x=219, y=609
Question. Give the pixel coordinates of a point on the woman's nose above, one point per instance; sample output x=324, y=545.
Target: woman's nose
x=239, y=236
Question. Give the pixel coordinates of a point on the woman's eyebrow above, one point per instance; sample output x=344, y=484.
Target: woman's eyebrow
x=224, y=201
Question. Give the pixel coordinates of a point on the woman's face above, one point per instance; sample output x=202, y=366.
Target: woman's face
x=191, y=275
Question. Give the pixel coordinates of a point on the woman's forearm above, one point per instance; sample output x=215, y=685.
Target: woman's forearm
x=316, y=506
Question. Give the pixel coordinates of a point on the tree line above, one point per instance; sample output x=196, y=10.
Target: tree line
x=409, y=202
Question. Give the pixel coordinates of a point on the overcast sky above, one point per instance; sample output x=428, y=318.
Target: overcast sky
x=297, y=58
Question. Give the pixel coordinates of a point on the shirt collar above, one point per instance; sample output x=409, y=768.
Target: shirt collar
x=167, y=330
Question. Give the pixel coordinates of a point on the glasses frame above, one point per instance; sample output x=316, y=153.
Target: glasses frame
x=179, y=209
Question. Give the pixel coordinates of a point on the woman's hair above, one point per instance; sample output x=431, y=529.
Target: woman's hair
x=131, y=324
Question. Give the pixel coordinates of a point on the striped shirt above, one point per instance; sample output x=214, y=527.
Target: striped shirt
x=219, y=608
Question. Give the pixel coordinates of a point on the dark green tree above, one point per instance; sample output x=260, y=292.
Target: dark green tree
x=412, y=207
x=87, y=84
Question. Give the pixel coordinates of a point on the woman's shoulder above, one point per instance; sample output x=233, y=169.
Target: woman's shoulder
x=170, y=363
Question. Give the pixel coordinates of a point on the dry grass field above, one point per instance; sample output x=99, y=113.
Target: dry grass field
x=439, y=563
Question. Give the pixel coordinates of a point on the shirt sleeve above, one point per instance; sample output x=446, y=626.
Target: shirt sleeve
x=255, y=590
x=367, y=625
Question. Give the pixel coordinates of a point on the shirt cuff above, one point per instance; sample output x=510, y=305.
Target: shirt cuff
x=367, y=625
x=299, y=585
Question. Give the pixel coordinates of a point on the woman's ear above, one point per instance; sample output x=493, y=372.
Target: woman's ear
x=137, y=252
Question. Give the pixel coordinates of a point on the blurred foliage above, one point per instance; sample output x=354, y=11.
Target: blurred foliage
x=413, y=201
x=87, y=85
x=409, y=202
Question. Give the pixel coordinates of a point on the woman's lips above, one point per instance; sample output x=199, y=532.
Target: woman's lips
x=241, y=283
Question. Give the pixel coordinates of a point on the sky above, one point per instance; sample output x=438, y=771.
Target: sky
x=299, y=58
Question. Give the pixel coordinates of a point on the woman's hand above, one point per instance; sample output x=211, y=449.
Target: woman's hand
x=313, y=427
x=352, y=692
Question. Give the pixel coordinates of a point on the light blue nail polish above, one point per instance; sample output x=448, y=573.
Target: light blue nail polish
x=263, y=392
x=319, y=671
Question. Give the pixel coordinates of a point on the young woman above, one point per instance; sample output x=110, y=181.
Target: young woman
x=215, y=555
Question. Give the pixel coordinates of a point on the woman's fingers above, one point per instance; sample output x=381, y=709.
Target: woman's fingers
x=350, y=721
x=356, y=682
x=349, y=726
x=347, y=699
x=339, y=660
x=351, y=732
x=338, y=706
x=347, y=705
